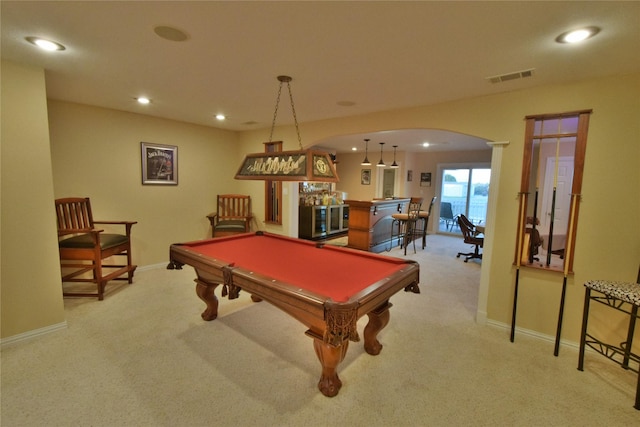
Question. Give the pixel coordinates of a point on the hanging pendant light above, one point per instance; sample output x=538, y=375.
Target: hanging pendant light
x=381, y=163
x=394, y=164
x=366, y=161
x=301, y=165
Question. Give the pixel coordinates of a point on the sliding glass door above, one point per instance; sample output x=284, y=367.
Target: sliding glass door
x=464, y=189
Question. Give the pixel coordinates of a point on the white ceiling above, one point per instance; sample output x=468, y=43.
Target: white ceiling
x=377, y=55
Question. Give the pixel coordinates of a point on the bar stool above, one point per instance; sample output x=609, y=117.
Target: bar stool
x=407, y=224
x=424, y=216
x=621, y=296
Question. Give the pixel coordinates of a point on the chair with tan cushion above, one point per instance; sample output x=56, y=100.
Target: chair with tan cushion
x=83, y=247
x=233, y=215
x=407, y=224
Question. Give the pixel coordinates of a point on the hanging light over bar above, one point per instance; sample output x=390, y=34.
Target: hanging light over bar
x=300, y=165
x=366, y=161
x=381, y=163
x=394, y=164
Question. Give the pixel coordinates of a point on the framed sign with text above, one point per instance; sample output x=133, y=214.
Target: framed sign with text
x=303, y=165
x=159, y=164
x=425, y=179
x=365, y=177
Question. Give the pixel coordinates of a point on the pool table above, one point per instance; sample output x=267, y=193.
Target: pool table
x=327, y=288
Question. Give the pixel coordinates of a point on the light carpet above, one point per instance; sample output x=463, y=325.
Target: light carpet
x=144, y=357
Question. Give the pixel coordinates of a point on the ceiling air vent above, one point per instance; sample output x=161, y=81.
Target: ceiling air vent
x=511, y=76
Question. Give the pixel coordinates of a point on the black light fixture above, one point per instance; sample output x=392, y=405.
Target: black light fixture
x=381, y=163
x=394, y=164
x=300, y=165
x=366, y=161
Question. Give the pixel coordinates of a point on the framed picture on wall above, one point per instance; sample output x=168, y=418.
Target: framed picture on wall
x=365, y=177
x=159, y=164
x=409, y=175
x=425, y=179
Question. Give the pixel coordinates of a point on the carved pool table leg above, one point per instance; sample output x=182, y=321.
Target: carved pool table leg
x=378, y=319
x=206, y=293
x=330, y=357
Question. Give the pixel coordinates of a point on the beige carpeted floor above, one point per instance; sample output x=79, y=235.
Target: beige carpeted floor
x=144, y=357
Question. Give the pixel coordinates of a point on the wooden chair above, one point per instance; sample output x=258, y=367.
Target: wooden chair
x=471, y=236
x=84, y=247
x=233, y=215
x=532, y=241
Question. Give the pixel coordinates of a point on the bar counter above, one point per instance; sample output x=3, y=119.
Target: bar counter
x=370, y=223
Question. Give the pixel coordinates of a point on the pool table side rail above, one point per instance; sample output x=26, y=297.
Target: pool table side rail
x=408, y=278
x=334, y=321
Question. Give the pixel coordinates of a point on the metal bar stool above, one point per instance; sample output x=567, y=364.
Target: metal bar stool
x=406, y=225
x=621, y=296
x=424, y=216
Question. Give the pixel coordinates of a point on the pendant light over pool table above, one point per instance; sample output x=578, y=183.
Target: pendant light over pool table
x=300, y=165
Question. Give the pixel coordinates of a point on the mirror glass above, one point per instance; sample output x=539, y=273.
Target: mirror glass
x=550, y=190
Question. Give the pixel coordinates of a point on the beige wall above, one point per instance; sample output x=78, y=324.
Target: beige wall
x=95, y=152
x=30, y=271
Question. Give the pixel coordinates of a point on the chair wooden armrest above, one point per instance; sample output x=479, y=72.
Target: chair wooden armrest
x=116, y=222
x=127, y=224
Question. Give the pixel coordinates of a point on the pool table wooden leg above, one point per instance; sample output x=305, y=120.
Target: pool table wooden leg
x=205, y=292
x=330, y=357
x=378, y=319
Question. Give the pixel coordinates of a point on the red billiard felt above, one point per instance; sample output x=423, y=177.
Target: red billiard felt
x=329, y=271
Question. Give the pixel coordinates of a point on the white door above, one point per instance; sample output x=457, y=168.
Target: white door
x=563, y=196
x=389, y=183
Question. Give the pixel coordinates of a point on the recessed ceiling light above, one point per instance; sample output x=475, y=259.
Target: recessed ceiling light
x=170, y=33
x=354, y=148
x=575, y=36
x=45, y=44
x=220, y=117
x=427, y=144
x=143, y=100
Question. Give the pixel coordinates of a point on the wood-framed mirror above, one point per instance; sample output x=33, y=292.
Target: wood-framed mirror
x=550, y=189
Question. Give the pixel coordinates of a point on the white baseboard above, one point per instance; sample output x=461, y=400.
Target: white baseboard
x=534, y=334
x=33, y=334
x=62, y=325
x=481, y=317
x=152, y=266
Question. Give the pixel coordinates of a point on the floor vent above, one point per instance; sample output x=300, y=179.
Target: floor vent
x=511, y=76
